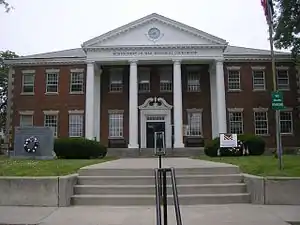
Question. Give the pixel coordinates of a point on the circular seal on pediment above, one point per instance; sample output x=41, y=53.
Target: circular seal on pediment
x=154, y=33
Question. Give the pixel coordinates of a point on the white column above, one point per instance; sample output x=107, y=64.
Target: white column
x=97, y=103
x=221, y=102
x=89, y=101
x=177, y=102
x=213, y=102
x=133, y=106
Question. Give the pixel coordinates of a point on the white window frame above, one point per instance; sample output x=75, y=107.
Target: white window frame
x=27, y=113
x=233, y=111
x=261, y=131
x=77, y=82
x=76, y=126
x=24, y=74
x=258, y=87
x=285, y=87
x=52, y=113
x=165, y=85
x=290, y=111
x=54, y=84
x=193, y=76
x=116, y=80
x=199, y=129
x=118, y=131
x=144, y=79
x=229, y=79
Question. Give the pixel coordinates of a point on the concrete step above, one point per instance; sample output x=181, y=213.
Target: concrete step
x=149, y=180
x=150, y=172
x=129, y=200
x=150, y=189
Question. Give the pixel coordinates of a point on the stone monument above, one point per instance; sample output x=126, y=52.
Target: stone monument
x=33, y=143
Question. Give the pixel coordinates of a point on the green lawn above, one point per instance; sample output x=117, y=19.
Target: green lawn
x=57, y=167
x=263, y=165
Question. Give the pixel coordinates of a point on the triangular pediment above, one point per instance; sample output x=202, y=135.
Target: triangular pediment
x=154, y=29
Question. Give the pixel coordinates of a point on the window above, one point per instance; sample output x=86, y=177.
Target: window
x=236, y=122
x=258, y=80
x=116, y=80
x=193, y=81
x=52, y=82
x=26, y=120
x=75, y=125
x=261, y=122
x=194, y=127
x=115, y=124
x=283, y=82
x=144, y=79
x=286, y=122
x=50, y=120
x=165, y=80
x=234, y=83
x=28, y=82
x=77, y=79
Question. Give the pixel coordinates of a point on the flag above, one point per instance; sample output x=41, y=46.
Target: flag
x=268, y=8
x=228, y=137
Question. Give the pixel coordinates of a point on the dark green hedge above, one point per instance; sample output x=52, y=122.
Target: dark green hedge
x=256, y=146
x=78, y=148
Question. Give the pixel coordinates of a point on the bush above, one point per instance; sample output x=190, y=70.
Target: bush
x=78, y=148
x=255, y=144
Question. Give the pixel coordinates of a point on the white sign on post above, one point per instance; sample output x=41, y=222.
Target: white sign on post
x=228, y=140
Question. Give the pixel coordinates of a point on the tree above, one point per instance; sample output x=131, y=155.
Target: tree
x=7, y=6
x=287, y=26
x=4, y=69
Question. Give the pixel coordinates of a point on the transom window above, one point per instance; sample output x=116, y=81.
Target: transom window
x=259, y=80
x=51, y=121
x=116, y=125
x=194, y=127
x=116, y=80
x=283, y=82
x=236, y=122
x=193, y=81
x=156, y=117
x=261, y=123
x=144, y=79
x=52, y=82
x=286, y=122
x=75, y=125
x=26, y=120
x=28, y=83
x=234, y=82
x=76, y=82
x=165, y=80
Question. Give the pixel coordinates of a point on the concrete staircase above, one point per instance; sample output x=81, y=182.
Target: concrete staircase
x=125, y=187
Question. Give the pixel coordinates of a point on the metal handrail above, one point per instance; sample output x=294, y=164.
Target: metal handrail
x=157, y=197
x=175, y=196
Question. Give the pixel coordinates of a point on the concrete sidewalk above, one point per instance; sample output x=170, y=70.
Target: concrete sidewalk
x=243, y=214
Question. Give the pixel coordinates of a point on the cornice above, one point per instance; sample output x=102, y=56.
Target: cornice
x=52, y=61
x=256, y=58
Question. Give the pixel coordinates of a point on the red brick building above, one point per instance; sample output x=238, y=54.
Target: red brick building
x=154, y=73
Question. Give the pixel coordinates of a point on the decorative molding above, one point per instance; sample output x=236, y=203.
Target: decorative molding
x=258, y=67
x=235, y=109
x=115, y=111
x=233, y=68
x=76, y=111
x=52, y=70
x=51, y=61
x=26, y=112
x=28, y=71
x=155, y=103
x=260, y=109
x=77, y=70
x=194, y=110
x=287, y=109
x=282, y=68
x=51, y=112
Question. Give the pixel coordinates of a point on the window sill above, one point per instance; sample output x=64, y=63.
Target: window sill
x=259, y=90
x=115, y=138
x=263, y=135
x=165, y=91
x=115, y=92
x=27, y=93
x=287, y=134
x=76, y=93
x=51, y=93
x=283, y=89
x=237, y=90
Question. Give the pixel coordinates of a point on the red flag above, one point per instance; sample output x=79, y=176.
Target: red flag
x=268, y=9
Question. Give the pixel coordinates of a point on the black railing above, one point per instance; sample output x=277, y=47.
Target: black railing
x=162, y=195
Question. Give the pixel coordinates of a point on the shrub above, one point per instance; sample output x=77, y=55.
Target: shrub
x=255, y=144
x=78, y=148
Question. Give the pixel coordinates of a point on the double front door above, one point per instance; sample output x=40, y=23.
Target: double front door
x=153, y=127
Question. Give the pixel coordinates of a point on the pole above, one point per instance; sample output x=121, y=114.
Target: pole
x=277, y=112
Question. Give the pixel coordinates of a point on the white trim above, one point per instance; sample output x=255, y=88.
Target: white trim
x=76, y=111
x=233, y=67
x=235, y=109
x=260, y=109
x=77, y=70
x=257, y=110
x=258, y=68
x=264, y=79
x=51, y=112
x=52, y=70
x=28, y=71
x=26, y=112
x=282, y=68
x=289, y=110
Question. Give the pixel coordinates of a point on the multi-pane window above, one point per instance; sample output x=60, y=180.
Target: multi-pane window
x=28, y=83
x=144, y=79
x=51, y=120
x=75, y=125
x=234, y=81
x=165, y=84
x=261, y=122
x=194, y=127
x=193, y=81
x=283, y=82
x=258, y=80
x=76, y=82
x=116, y=80
x=286, y=122
x=236, y=122
x=52, y=82
x=115, y=124
x=26, y=120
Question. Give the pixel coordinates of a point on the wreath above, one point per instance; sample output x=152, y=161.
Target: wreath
x=35, y=144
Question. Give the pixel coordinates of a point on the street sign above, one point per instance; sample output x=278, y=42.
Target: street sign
x=277, y=100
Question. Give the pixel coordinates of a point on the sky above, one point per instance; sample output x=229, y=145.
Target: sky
x=37, y=26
